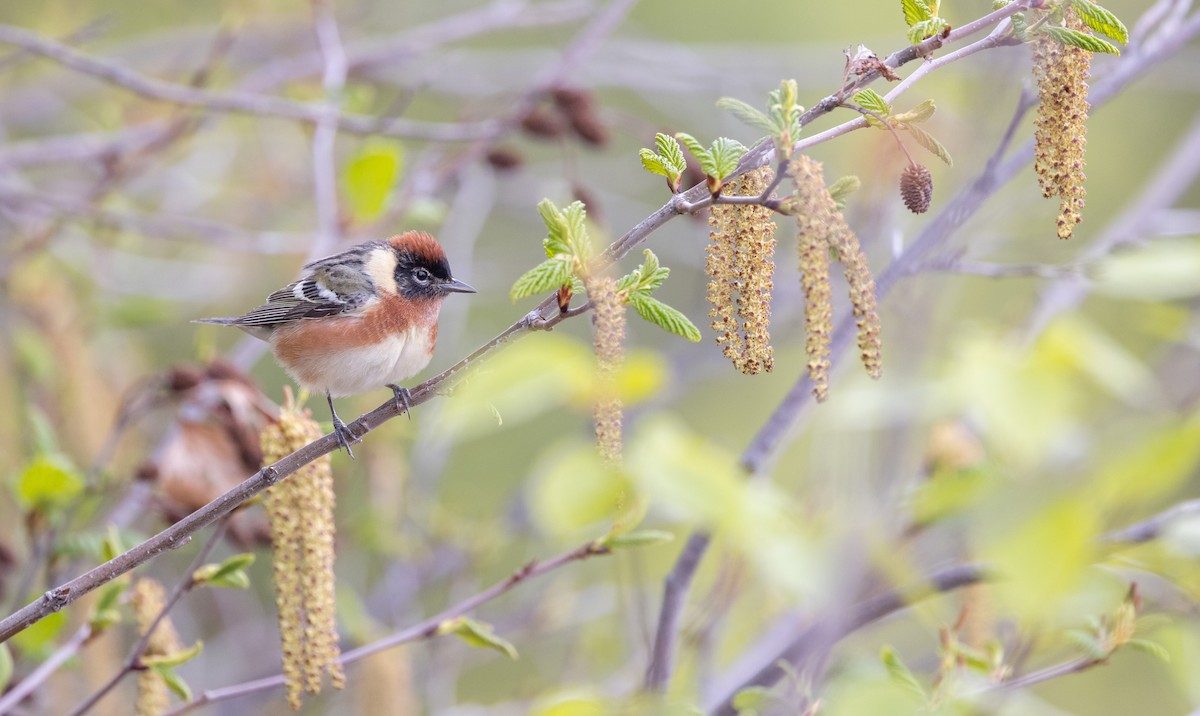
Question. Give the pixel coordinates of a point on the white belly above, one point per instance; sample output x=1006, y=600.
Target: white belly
x=359, y=370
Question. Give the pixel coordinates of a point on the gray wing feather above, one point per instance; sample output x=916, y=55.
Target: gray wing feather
x=333, y=286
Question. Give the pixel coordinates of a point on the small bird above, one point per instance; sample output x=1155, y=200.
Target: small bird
x=358, y=320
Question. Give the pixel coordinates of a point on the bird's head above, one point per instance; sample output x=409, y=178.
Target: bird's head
x=418, y=267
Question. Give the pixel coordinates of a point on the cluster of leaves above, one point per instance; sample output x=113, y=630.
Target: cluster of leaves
x=922, y=19
x=569, y=255
x=871, y=100
x=1051, y=23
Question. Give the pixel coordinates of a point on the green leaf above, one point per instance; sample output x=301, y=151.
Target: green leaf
x=843, y=188
x=1152, y=648
x=747, y=114
x=105, y=612
x=872, y=100
x=478, y=634
x=1088, y=643
x=170, y=661
x=900, y=673
x=1020, y=27
x=726, y=153
x=694, y=146
x=927, y=28
x=546, y=276
x=575, y=218
x=229, y=573
x=927, y=140
x=664, y=316
x=48, y=484
x=174, y=682
x=369, y=177
x=668, y=148
x=753, y=700
x=637, y=538
x=37, y=640
x=1083, y=41
x=556, y=224
x=915, y=11
x=6, y=666
x=920, y=113
x=1101, y=20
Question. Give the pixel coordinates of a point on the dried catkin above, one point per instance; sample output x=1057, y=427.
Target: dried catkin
x=821, y=229
x=740, y=264
x=608, y=339
x=300, y=511
x=1062, y=72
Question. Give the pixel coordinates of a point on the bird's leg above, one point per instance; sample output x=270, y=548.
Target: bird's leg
x=343, y=433
x=403, y=398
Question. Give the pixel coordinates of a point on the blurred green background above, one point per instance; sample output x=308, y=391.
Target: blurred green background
x=1010, y=427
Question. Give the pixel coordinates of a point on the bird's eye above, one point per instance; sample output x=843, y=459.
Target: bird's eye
x=421, y=275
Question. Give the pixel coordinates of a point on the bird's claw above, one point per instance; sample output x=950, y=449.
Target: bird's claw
x=345, y=436
x=403, y=399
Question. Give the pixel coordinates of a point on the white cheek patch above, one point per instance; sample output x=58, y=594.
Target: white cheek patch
x=381, y=267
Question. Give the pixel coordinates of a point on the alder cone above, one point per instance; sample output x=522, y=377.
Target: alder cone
x=916, y=188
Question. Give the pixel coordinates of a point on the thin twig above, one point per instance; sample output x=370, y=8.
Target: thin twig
x=139, y=647
x=238, y=101
x=422, y=630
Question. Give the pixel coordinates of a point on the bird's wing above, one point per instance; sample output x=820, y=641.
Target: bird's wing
x=331, y=288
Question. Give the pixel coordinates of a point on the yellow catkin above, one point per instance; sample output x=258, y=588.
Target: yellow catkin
x=740, y=264
x=300, y=512
x=608, y=339
x=1062, y=72
x=821, y=227
x=148, y=599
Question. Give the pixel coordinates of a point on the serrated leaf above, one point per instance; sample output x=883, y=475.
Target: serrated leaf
x=915, y=11
x=927, y=28
x=927, y=140
x=478, y=634
x=669, y=149
x=844, y=187
x=556, y=224
x=651, y=274
x=747, y=114
x=1101, y=20
x=546, y=276
x=694, y=147
x=664, y=316
x=637, y=538
x=872, y=100
x=726, y=154
x=1088, y=643
x=170, y=661
x=174, y=682
x=900, y=673
x=656, y=164
x=920, y=113
x=1152, y=648
x=1083, y=41
x=575, y=216
x=1020, y=27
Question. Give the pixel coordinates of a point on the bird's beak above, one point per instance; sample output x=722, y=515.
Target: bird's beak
x=456, y=286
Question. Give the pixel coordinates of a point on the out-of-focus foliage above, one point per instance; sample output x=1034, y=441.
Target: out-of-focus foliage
x=1038, y=395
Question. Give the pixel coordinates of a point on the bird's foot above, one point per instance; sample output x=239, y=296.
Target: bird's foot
x=403, y=399
x=345, y=436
